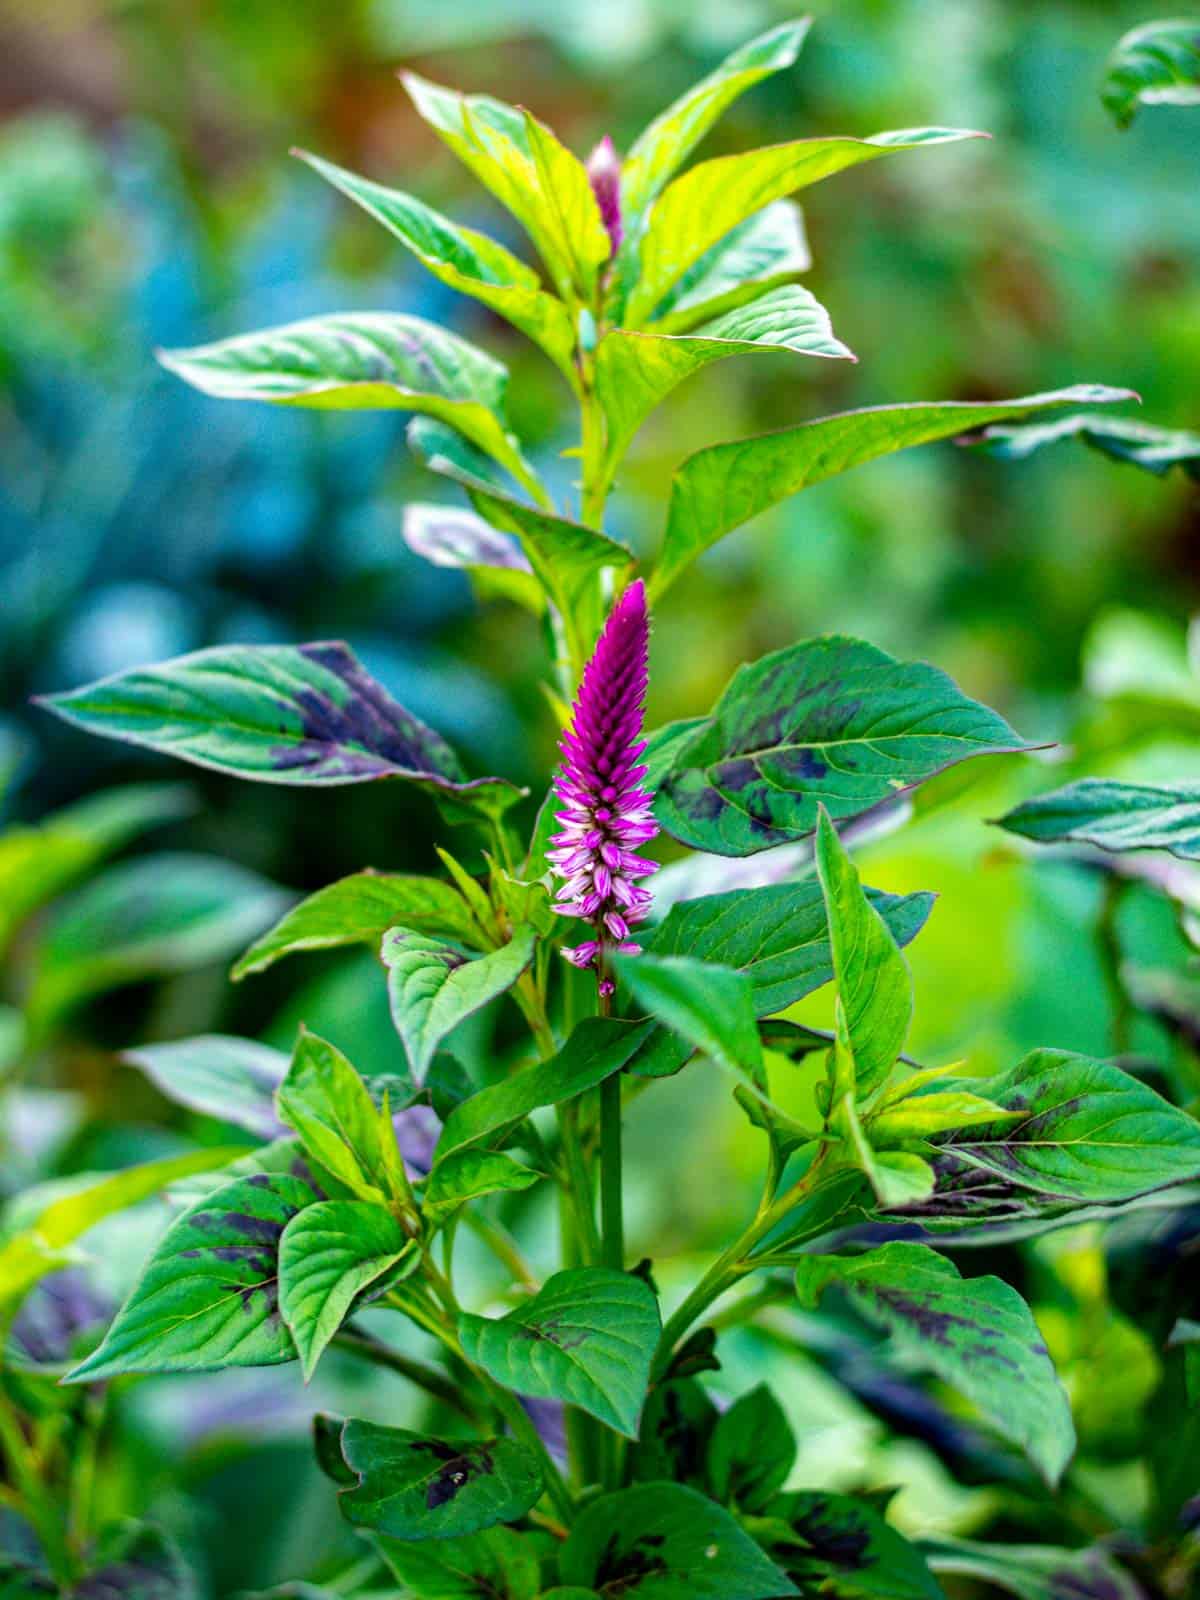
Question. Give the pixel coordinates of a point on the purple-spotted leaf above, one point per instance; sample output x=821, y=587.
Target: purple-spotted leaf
x=1114, y=816
x=767, y=250
x=209, y=1295
x=131, y=1561
x=975, y=1334
x=498, y=1562
x=835, y=1545
x=831, y=722
x=364, y=360
x=586, y=1338
x=1035, y=1572
x=720, y=487
x=295, y=714
x=220, y=1075
x=413, y=1487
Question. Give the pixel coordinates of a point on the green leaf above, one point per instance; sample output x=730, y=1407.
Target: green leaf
x=751, y=1451
x=1089, y=1135
x=586, y=1338
x=767, y=250
x=1157, y=64
x=976, y=1334
x=467, y=1174
x=326, y=1101
x=208, y=1297
x=920, y=1116
x=364, y=361
x=359, y=910
x=831, y=721
x=838, y=1546
x=875, y=1000
x=636, y=371
x=218, y=1075
x=568, y=212
x=433, y=986
x=329, y=1255
x=414, y=1487
x=147, y=918
x=669, y=140
x=294, y=714
x=598, y=1047
x=39, y=861
x=897, y=1177
x=1140, y=444
x=701, y=207
x=466, y=260
x=496, y=1563
x=1034, y=1572
x=778, y=936
x=712, y=1007
x=677, y=1423
x=719, y=488
x=1114, y=816
x=452, y=536
x=663, y=1541
x=136, y=1561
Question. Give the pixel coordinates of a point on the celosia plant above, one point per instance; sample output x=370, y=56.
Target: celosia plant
x=342, y=1226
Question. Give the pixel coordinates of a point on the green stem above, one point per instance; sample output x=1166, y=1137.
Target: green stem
x=611, y=1198
x=430, y=1379
x=503, y=1246
x=1108, y=941
x=579, y=1182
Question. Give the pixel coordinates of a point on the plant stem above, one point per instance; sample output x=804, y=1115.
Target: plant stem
x=611, y=1196
x=579, y=1182
x=430, y=1379
x=503, y=1247
x=1108, y=941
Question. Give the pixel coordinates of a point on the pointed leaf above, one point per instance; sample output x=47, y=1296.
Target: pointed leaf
x=569, y=212
x=874, y=987
x=832, y=721
x=466, y=260
x=451, y=536
x=840, y=1546
x=1114, y=816
x=467, y=1174
x=598, y=1047
x=326, y=1101
x=977, y=1335
x=329, y=1255
x=433, y=986
x=1035, y=1572
x=711, y=1007
x=359, y=910
x=220, y=1076
x=497, y=1563
x=669, y=140
x=751, y=1451
x=1157, y=64
x=719, y=488
x=677, y=1423
x=663, y=1541
x=636, y=371
x=208, y=1297
x=1140, y=444
x=701, y=207
x=363, y=361
x=294, y=714
x=921, y=1116
x=767, y=250
x=586, y=1338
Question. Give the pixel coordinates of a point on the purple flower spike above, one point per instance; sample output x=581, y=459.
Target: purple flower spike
x=604, y=174
x=606, y=815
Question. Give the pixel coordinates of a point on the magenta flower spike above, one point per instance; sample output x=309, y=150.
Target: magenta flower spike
x=606, y=814
x=604, y=174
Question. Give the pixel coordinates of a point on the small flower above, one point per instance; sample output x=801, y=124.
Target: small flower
x=604, y=174
x=606, y=813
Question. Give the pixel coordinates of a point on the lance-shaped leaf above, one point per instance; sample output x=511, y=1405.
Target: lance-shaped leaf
x=1157, y=64
x=467, y=1174
x=329, y=1255
x=897, y=1177
x=209, y=1295
x=751, y=1451
x=433, y=986
x=147, y=918
x=364, y=361
x=976, y=1334
x=709, y=1006
x=778, y=936
x=1035, y=1572
x=719, y=488
x=666, y=144
x=705, y=203
x=528, y=171
x=767, y=250
x=1089, y=1134
x=452, y=536
x=497, y=1562
x=831, y=722
x=598, y=1047
x=635, y=371
x=222, y=1076
x=296, y=714
x=1140, y=444
x=837, y=1545
x=411, y=1486
x=466, y=260
x=359, y=910
x=1114, y=816
x=326, y=1101
x=667, y=1542
x=586, y=1338
x=874, y=987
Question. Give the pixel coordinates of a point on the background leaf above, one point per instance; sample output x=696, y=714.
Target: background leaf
x=1114, y=816
x=1156, y=64
x=1140, y=444
x=1035, y=1572
x=843, y=1547
x=220, y=1076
